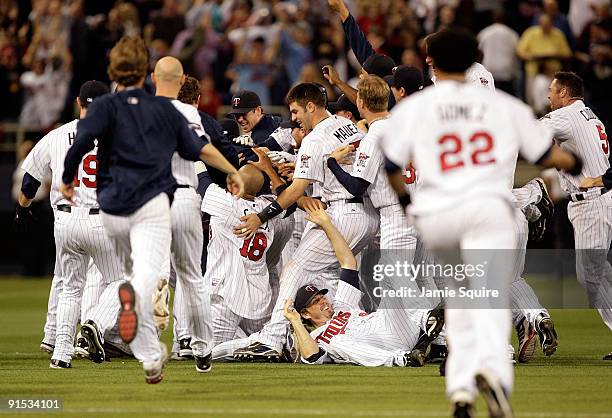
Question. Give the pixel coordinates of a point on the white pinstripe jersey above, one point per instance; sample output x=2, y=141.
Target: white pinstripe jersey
x=369, y=165
x=463, y=139
x=47, y=158
x=346, y=336
x=576, y=128
x=327, y=135
x=478, y=75
x=236, y=267
x=183, y=170
x=283, y=138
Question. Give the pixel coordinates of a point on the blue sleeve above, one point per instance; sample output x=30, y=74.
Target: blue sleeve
x=357, y=40
x=607, y=179
x=204, y=181
x=271, y=144
x=350, y=277
x=353, y=185
x=94, y=125
x=29, y=186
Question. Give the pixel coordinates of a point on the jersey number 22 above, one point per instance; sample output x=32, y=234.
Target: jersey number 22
x=480, y=143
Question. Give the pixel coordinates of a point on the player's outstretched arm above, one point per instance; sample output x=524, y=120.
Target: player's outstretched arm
x=212, y=156
x=307, y=346
x=332, y=76
x=561, y=160
x=343, y=252
x=288, y=197
x=264, y=165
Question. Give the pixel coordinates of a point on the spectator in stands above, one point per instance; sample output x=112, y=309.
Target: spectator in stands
x=210, y=100
x=559, y=20
x=251, y=69
x=498, y=44
x=166, y=23
x=542, y=43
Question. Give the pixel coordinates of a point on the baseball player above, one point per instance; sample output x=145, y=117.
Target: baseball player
x=453, y=134
x=528, y=316
x=576, y=128
x=255, y=124
x=137, y=137
x=78, y=230
x=237, y=268
x=344, y=333
x=356, y=218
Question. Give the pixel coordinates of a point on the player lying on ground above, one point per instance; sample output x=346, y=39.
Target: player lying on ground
x=344, y=333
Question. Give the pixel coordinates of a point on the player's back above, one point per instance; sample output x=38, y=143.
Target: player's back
x=237, y=267
x=183, y=170
x=463, y=139
x=328, y=135
x=578, y=129
x=48, y=155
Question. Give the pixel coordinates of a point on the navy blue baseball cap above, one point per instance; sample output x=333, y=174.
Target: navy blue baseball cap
x=305, y=296
x=91, y=90
x=244, y=101
x=410, y=78
x=343, y=103
x=379, y=64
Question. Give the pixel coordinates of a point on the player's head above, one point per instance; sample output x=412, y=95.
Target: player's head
x=451, y=51
x=377, y=64
x=190, y=91
x=313, y=306
x=405, y=81
x=297, y=132
x=90, y=90
x=372, y=95
x=168, y=76
x=565, y=88
x=253, y=180
x=306, y=100
x=128, y=62
x=345, y=108
x=247, y=110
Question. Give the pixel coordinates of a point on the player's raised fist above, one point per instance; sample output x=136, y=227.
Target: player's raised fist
x=330, y=74
x=289, y=311
x=339, y=7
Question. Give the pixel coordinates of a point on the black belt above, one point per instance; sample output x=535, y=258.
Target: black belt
x=68, y=208
x=579, y=197
x=182, y=186
x=355, y=200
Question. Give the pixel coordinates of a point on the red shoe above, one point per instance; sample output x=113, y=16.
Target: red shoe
x=128, y=320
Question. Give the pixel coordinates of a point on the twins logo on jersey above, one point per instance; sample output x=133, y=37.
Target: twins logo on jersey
x=484, y=81
x=336, y=326
x=362, y=159
x=305, y=160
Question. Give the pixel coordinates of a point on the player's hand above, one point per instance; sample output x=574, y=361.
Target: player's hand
x=264, y=163
x=235, y=184
x=280, y=157
x=286, y=170
x=244, y=140
x=67, y=190
x=589, y=182
x=318, y=216
x=290, y=313
x=249, y=227
x=331, y=75
x=343, y=154
x=339, y=7
x=310, y=204
x=24, y=219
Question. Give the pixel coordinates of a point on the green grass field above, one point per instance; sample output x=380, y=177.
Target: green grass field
x=573, y=383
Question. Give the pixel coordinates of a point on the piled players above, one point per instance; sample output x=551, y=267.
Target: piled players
x=133, y=201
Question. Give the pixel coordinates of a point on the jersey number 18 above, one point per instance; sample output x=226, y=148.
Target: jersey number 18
x=254, y=248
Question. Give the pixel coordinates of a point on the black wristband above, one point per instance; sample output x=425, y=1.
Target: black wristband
x=404, y=200
x=270, y=211
x=281, y=189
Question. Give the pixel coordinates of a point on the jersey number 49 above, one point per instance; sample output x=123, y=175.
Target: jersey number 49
x=480, y=145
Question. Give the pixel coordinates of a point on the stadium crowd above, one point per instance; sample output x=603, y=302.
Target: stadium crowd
x=48, y=48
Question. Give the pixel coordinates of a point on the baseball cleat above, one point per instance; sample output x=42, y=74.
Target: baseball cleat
x=545, y=205
x=154, y=370
x=527, y=340
x=203, y=363
x=257, y=351
x=46, y=347
x=291, y=354
x=494, y=395
x=128, y=320
x=547, y=335
x=95, y=341
x=607, y=356
x=414, y=358
x=463, y=405
x=437, y=354
x=81, y=347
x=59, y=364
x=185, y=350
x=433, y=327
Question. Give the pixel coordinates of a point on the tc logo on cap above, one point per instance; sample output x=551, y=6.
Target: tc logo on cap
x=310, y=288
x=236, y=101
